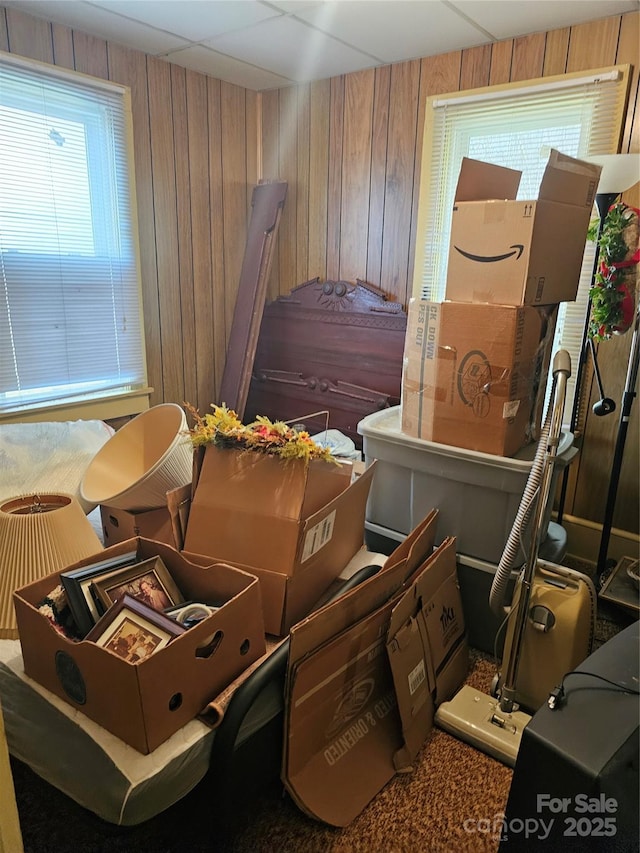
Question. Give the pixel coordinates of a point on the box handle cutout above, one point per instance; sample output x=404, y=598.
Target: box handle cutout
x=175, y=702
x=211, y=646
x=244, y=648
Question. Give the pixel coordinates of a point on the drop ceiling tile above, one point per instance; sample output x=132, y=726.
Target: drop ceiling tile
x=200, y=58
x=88, y=18
x=194, y=20
x=292, y=49
x=523, y=16
x=394, y=30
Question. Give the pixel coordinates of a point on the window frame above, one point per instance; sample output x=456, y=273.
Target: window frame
x=121, y=401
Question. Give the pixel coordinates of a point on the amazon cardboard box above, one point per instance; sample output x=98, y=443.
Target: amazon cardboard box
x=512, y=252
x=474, y=375
x=119, y=525
x=294, y=526
x=146, y=702
x=344, y=724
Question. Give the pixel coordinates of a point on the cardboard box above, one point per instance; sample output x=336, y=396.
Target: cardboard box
x=118, y=525
x=344, y=729
x=427, y=648
x=144, y=703
x=295, y=555
x=258, y=510
x=474, y=375
x=512, y=252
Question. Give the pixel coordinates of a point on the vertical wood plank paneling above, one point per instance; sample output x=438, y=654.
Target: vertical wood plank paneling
x=90, y=55
x=252, y=142
x=62, y=46
x=302, y=185
x=166, y=228
x=200, y=210
x=334, y=201
x=4, y=38
x=271, y=171
x=593, y=45
x=184, y=284
x=441, y=74
x=216, y=206
x=319, y=99
x=288, y=168
x=356, y=170
x=476, y=67
x=379, y=142
x=556, y=51
x=129, y=67
x=234, y=178
x=528, y=57
x=628, y=52
x=27, y=36
x=403, y=117
x=501, y=60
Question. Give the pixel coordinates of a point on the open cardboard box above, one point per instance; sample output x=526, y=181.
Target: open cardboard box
x=474, y=375
x=294, y=526
x=118, y=525
x=348, y=728
x=144, y=703
x=512, y=252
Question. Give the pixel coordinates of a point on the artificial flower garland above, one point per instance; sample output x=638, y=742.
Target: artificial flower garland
x=224, y=428
x=613, y=294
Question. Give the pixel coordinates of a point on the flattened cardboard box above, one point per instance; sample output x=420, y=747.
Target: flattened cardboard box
x=325, y=541
x=343, y=729
x=118, y=525
x=427, y=648
x=278, y=501
x=474, y=375
x=144, y=703
x=509, y=252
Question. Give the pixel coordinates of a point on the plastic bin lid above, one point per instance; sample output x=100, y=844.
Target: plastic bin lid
x=385, y=425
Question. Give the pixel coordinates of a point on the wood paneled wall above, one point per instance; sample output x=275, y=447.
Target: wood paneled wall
x=350, y=149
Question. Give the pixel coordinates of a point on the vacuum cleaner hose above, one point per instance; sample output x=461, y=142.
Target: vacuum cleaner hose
x=502, y=576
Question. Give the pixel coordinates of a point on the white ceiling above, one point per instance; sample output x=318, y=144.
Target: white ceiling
x=266, y=44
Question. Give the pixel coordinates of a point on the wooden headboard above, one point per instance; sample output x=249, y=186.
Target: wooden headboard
x=330, y=345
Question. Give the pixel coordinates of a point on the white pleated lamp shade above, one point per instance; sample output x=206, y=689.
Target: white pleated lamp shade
x=39, y=534
x=146, y=458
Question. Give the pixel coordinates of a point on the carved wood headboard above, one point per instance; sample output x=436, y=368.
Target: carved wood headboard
x=330, y=345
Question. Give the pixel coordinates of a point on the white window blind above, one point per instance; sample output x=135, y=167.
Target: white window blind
x=70, y=305
x=515, y=126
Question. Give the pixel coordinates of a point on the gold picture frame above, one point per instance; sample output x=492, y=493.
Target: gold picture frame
x=148, y=581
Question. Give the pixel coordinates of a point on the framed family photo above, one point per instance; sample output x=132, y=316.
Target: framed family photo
x=133, y=630
x=77, y=584
x=148, y=581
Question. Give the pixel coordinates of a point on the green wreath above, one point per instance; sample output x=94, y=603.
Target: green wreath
x=613, y=290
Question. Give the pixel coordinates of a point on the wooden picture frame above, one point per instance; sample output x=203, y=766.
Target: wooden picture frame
x=77, y=584
x=148, y=581
x=133, y=630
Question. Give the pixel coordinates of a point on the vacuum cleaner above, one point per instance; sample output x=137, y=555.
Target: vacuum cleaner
x=550, y=622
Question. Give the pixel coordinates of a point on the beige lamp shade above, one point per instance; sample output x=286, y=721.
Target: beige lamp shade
x=39, y=534
x=146, y=458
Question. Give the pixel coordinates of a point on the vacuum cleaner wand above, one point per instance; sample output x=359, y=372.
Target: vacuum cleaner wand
x=561, y=373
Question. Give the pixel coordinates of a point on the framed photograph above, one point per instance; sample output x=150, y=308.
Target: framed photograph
x=148, y=581
x=77, y=584
x=133, y=630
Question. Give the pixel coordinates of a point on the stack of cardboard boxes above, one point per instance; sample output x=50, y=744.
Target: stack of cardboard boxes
x=475, y=365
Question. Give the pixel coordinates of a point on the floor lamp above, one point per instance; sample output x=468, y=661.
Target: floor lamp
x=619, y=173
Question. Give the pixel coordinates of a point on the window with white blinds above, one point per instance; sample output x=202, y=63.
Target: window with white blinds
x=515, y=125
x=70, y=299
